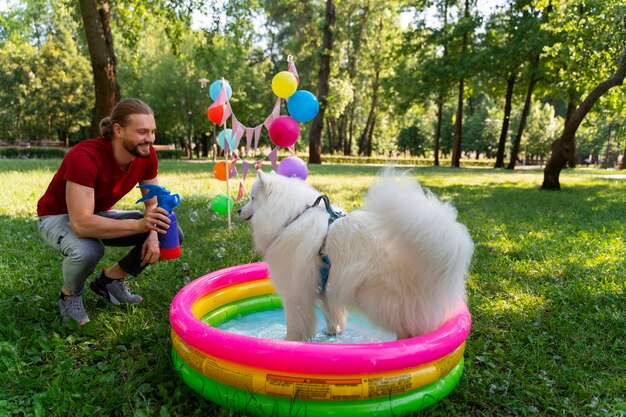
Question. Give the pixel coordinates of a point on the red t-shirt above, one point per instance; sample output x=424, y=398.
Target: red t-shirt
x=91, y=163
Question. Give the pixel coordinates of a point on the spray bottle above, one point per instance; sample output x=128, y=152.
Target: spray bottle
x=170, y=246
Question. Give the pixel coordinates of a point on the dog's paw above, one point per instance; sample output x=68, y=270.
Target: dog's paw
x=333, y=330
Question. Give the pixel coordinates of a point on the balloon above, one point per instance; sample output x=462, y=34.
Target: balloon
x=215, y=113
x=284, y=84
x=293, y=167
x=303, y=106
x=226, y=134
x=220, y=204
x=216, y=87
x=284, y=131
x=221, y=169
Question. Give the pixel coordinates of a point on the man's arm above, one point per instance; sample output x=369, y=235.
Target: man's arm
x=84, y=223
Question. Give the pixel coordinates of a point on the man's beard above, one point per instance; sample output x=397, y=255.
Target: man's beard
x=134, y=149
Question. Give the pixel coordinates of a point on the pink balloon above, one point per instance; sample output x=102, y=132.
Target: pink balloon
x=293, y=167
x=284, y=131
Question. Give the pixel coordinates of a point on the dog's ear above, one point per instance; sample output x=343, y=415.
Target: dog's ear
x=262, y=176
x=264, y=180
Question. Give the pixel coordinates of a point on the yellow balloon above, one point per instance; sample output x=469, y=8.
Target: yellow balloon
x=284, y=84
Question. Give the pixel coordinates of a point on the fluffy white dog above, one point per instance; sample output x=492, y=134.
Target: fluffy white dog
x=402, y=259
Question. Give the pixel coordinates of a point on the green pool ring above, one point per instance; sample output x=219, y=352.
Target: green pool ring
x=270, y=406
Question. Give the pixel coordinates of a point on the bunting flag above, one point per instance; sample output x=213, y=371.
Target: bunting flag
x=235, y=123
x=268, y=122
x=244, y=169
x=257, y=136
x=272, y=157
x=276, y=110
x=227, y=112
x=222, y=97
x=249, y=136
x=241, y=192
x=291, y=67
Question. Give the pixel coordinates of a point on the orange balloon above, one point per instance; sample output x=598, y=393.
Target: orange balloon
x=216, y=113
x=220, y=170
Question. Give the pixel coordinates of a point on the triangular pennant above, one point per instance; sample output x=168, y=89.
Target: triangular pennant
x=272, y=157
x=291, y=67
x=249, y=136
x=241, y=192
x=235, y=123
x=233, y=171
x=276, y=110
x=244, y=169
x=268, y=122
x=222, y=96
x=257, y=136
x=227, y=112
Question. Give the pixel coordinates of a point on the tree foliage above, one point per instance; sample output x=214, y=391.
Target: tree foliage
x=416, y=75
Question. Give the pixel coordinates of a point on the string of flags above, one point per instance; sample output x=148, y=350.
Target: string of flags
x=283, y=130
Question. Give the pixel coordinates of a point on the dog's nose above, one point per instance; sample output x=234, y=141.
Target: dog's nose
x=239, y=212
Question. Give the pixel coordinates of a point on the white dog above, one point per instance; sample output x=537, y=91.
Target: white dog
x=402, y=259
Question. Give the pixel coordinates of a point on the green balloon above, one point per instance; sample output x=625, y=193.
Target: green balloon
x=220, y=204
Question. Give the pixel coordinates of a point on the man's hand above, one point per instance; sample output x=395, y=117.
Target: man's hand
x=155, y=220
x=150, y=251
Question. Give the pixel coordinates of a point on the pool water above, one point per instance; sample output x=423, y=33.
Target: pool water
x=270, y=324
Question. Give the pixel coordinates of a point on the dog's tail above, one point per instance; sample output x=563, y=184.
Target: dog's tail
x=420, y=233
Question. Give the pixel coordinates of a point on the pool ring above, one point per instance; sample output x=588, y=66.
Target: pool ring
x=238, y=371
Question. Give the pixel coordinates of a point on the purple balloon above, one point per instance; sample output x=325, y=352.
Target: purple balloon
x=293, y=167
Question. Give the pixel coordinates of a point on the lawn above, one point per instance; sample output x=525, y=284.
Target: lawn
x=547, y=293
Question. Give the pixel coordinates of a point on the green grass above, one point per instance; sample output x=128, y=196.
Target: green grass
x=547, y=292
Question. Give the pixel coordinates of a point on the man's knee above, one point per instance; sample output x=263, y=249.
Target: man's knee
x=87, y=251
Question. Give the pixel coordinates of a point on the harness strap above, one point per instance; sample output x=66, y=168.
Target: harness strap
x=326, y=263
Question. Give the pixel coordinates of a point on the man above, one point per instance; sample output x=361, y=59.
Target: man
x=75, y=215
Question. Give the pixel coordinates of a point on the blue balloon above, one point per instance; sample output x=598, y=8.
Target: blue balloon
x=303, y=106
x=216, y=87
x=227, y=135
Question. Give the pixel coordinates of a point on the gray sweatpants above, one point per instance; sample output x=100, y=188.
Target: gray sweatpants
x=81, y=255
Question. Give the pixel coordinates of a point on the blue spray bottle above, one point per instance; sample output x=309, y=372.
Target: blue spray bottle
x=169, y=243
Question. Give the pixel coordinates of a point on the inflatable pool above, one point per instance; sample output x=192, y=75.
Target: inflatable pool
x=268, y=377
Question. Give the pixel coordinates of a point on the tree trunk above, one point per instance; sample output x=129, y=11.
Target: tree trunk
x=458, y=125
x=571, y=106
x=315, y=134
x=368, y=131
x=458, y=128
x=522, y=123
x=96, y=20
x=438, y=128
x=510, y=83
x=563, y=145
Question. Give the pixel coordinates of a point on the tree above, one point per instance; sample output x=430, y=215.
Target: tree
x=97, y=22
x=315, y=134
x=586, y=61
x=96, y=17
x=562, y=147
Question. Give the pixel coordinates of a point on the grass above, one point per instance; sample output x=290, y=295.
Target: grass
x=547, y=292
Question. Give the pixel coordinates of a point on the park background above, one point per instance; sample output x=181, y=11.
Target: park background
x=399, y=82
x=439, y=80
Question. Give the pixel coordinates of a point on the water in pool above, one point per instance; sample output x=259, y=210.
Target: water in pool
x=270, y=324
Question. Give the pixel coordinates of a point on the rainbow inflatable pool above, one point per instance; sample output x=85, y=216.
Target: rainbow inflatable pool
x=267, y=377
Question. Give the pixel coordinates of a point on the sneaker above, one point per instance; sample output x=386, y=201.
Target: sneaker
x=72, y=308
x=114, y=290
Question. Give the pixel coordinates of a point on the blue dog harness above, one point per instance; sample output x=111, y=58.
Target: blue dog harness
x=325, y=268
